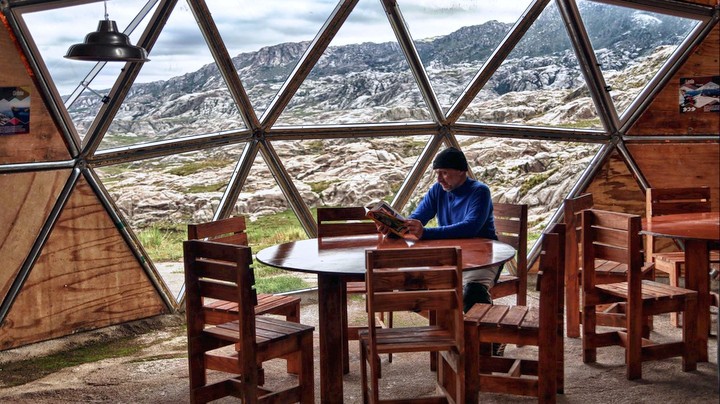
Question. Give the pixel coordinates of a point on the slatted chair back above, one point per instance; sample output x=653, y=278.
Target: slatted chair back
x=222, y=272
x=572, y=208
x=347, y=221
x=343, y=221
x=415, y=279
x=611, y=236
x=511, y=228
x=668, y=201
x=232, y=230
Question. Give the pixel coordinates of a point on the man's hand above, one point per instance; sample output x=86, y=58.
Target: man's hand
x=382, y=229
x=415, y=227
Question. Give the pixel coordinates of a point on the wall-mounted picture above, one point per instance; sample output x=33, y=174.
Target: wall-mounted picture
x=14, y=110
x=700, y=94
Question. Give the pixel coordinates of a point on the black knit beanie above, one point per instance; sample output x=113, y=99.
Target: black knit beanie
x=450, y=158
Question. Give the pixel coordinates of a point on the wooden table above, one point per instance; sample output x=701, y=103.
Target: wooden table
x=697, y=231
x=339, y=259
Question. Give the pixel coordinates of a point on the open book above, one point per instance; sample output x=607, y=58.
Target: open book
x=383, y=213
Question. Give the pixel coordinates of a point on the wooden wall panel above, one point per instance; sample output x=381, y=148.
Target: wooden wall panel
x=26, y=201
x=680, y=165
x=86, y=277
x=44, y=142
x=663, y=117
x=614, y=188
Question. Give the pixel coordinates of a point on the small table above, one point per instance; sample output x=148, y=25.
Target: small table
x=336, y=260
x=698, y=231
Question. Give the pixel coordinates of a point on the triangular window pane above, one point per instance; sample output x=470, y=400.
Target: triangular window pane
x=454, y=42
x=158, y=197
x=178, y=93
x=539, y=84
x=267, y=42
x=363, y=77
x=349, y=172
x=631, y=45
x=81, y=84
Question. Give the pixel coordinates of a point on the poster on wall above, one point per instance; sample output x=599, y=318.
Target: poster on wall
x=14, y=111
x=699, y=94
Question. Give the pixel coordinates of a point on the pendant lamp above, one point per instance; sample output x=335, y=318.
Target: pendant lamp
x=107, y=45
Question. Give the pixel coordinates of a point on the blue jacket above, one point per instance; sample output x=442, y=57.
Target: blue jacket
x=464, y=212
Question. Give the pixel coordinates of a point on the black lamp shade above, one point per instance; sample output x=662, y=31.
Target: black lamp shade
x=107, y=45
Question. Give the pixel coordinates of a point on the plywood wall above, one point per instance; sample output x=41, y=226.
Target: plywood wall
x=44, y=142
x=25, y=210
x=86, y=275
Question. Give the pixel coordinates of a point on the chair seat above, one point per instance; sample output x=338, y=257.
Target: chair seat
x=650, y=290
x=411, y=339
x=499, y=316
x=268, y=330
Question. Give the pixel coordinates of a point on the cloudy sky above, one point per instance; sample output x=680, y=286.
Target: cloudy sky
x=245, y=26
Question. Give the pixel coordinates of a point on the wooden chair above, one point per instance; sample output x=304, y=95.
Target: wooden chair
x=347, y=221
x=415, y=279
x=233, y=231
x=511, y=228
x=606, y=272
x=239, y=347
x=667, y=201
x=615, y=236
x=522, y=325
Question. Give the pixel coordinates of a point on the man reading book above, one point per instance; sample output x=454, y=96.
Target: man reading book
x=464, y=209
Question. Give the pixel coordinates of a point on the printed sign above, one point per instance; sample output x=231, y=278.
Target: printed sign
x=700, y=94
x=14, y=110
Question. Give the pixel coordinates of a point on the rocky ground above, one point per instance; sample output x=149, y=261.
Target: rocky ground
x=157, y=372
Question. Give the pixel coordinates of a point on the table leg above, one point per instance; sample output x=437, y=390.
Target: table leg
x=331, y=346
x=697, y=277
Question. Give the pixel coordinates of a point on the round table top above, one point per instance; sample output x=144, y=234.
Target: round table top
x=699, y=226
x=346, y=255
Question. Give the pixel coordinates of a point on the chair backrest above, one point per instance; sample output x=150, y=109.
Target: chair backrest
x=417, y=279
x=611, y=236
x=552, y=266
x=668, y=201
x=222, y=272
x=345, y=221
x=572, y=208
x=511, y=228
x=231, y=231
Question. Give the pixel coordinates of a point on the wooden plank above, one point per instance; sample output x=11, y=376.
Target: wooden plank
x=514, y=316
x=44, y=142
x=614, y=188
x=23, y=213
x=86, y=277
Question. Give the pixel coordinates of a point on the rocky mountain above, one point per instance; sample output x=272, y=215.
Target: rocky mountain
x=539, y=84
